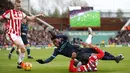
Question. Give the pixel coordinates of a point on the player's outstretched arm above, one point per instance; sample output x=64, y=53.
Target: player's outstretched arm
x=33, y=17
x=72, y=68
x=45, y=61
x=40, y=61
x=55, y=53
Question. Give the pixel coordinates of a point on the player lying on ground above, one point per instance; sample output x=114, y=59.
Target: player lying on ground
x=108, y=56
x=65, y=48
x=14, y=17
x=24, y=36
x=91, y=61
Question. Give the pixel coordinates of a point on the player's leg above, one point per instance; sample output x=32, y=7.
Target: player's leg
x=21, y=48
x=90, y=36
x=108, y=56
x=11, y=51
x=17, y=51
x=27, y=46
x=17, y=40
x=28, y=51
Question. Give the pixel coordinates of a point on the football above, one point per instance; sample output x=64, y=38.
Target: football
x=27, y=66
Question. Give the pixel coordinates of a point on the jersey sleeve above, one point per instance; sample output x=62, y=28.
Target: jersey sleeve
x=24, y=15
x=7, y=15
x=100, y=53
x=55, y=53
x=48, y=59
x=71, y=67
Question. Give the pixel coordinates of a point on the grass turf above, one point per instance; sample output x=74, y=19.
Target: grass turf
x=60, y=63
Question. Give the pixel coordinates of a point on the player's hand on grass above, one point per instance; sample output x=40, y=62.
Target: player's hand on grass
x=40, y=61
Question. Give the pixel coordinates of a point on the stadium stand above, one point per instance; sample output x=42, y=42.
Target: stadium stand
x=123, y=37
x=40, y=37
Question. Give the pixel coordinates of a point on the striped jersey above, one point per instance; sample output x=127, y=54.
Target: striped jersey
x=14, y=21
x=90, y=66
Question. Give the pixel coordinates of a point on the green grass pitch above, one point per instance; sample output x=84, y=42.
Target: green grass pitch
x=60, y=63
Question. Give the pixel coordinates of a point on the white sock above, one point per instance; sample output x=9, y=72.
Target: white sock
x=21, y=57
x=89, y=39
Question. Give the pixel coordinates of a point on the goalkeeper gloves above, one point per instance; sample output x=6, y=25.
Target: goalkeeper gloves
x=40, y=61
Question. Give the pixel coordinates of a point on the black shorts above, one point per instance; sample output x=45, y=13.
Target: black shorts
x=24, y=38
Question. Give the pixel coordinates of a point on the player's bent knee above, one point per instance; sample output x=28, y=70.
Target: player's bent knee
x=22, y=48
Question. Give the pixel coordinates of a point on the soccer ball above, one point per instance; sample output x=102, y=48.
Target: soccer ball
x=27, y=66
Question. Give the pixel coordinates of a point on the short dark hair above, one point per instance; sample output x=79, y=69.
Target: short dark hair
x=85, y=58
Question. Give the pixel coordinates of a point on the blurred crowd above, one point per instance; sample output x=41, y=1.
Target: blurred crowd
x=35, y=38
x=123, y=37
x=39, y=37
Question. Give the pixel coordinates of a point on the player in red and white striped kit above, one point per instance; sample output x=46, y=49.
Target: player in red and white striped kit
x=14, y=17
x=91, y=62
